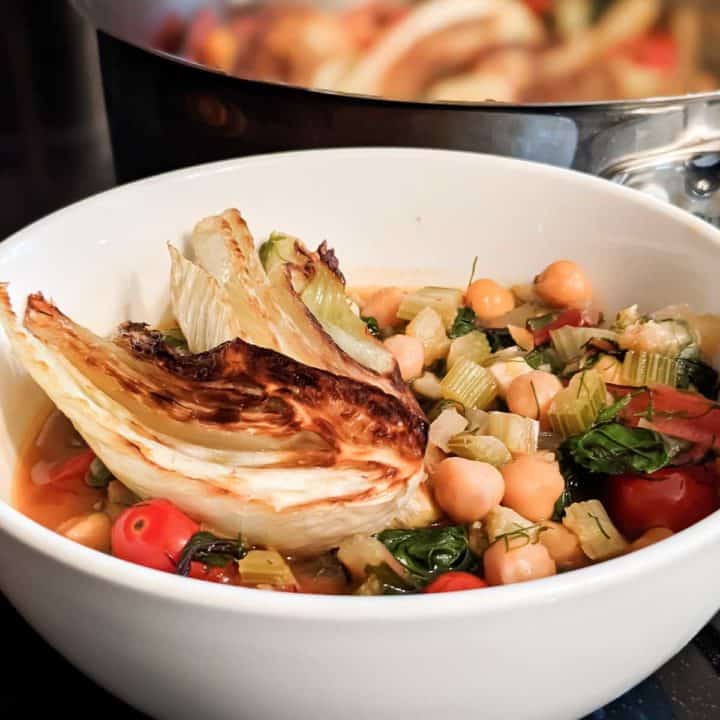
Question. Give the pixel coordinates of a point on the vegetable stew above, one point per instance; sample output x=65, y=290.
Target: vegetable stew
x=291, y=434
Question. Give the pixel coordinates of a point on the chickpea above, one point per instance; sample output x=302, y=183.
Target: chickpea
x=564, y=284
x=531, y=395
x=650, y=537
x=466, y=489
x=383, y=305
x=92, y=530
x=489, y=300
x=220, y=49
x=507, y=564
x=563, y=546
x=533, y=483
x=409, y=353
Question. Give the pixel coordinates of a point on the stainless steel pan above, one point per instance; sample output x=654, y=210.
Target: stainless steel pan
x=166, y=112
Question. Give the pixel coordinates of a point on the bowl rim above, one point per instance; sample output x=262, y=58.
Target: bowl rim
x=409, y=608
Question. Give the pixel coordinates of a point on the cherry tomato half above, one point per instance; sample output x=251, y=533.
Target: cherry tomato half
x=673, y=498
x=153, y=534
x=574, y=318
x=71, y=473
x=658, y=51
x=225, y=575
x=455, y=580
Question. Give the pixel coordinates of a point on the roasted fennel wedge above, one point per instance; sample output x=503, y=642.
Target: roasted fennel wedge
x=275, y=434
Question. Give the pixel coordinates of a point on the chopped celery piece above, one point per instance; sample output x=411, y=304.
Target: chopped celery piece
x=428, y=385
x=519, y=434
x=444, y=427
x=501, y=521
x=477, y=420
x=574, y=409
x=445, y=301
x=427, y=326
x=280, y=249
x=599, y=538
x=266, y=567
x=644, y=368
x=469, y=384
x=569, y=341
x=610, y=369
x=484, y=448
x=474, y=346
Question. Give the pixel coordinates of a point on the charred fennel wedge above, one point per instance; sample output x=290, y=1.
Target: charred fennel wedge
x=292, y=444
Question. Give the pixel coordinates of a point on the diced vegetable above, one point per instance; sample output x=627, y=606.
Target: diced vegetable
x=484, y=448
x=427, y=326
x=383, y=580
x=421, y=509
x=502, y=521
x=569, y=341
x=478, y=420
x=613, y=448
x=518, y=434
x=428, y=385
x=478, y=541
x=644, y=368
x=610, y=369
x=427, y=552
x=469, y=384
x=505, y=371
x=599, y=538
x=575, y=409
x=666, y=337
x=359, y=552
x=473, y=346
x=554, y=321
x=266, y=567
x=446, y=426
x=445, y=301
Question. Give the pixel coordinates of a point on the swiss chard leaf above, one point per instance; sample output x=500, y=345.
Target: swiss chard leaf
x=612, y=411
x=372, y=325
x=538, y=323
x=544, y=355
x=209, y=549
x=499, y=338
x=614, y=449
x=465, y=322
x=580, y=483
x=427, y=552
x=698, y=374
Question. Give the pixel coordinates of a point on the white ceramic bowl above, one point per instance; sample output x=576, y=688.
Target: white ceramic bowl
x=175, y=648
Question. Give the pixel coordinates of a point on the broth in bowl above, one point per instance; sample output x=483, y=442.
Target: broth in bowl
x=287, y=433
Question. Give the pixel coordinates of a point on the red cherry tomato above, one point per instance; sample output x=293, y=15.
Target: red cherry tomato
x=71, y=472
x=153, y=534
x=684, y=415
x=658, y=51
x=674, y=498
x=539, y=6
x=455, y=580
x=225, y=575
x=574, y=318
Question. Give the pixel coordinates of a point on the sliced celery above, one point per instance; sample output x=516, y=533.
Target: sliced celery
x=266, y=567
x=427, y=326
x=644, y=368
x=469, y=384
x=599, y=538
x=502, y=521
x=569, y=341
x=575, y=409
x=484, y=448
x=445, y=301
x=519, y=434
x=474, y=346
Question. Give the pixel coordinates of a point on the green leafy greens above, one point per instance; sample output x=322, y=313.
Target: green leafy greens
x=372, y=325
x=209, y=549
x=613, y=449
x=698, y=374
x=427, y=552
x=465, y=322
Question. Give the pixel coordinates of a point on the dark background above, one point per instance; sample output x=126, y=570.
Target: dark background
x=54, y=150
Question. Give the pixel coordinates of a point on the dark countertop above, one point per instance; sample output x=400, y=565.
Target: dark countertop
x=54, y=149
